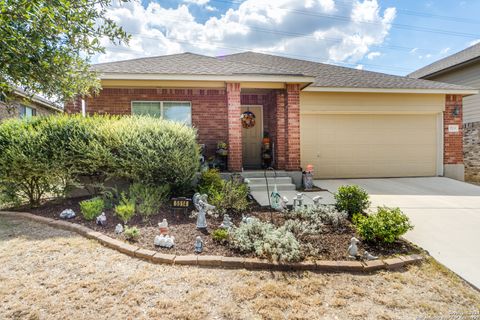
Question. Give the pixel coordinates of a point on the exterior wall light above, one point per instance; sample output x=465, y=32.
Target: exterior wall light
x=456, y=111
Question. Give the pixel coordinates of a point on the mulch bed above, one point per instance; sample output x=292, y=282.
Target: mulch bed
x=332, y=244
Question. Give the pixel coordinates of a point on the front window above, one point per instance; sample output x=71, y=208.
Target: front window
x=175, y=111
x=27, y=112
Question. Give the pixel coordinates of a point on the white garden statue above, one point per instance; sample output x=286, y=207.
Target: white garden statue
x=201, y=204
x=368, y=256
x=227, y=222
x=198, y=244
x=118, y=228
x=102, y=220
x=67, y=214
x=353, y=248
x=163, y=226
x=164, y=241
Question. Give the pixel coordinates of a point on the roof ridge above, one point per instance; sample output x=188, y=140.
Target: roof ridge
x=152, y=57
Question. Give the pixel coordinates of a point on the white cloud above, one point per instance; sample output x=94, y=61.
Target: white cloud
x=444, y=50
x=373, y=55
x=359, y=67
x=474, y=42
x=197, y=2
x=414, y=50
x=211, y=8
x=297, y=28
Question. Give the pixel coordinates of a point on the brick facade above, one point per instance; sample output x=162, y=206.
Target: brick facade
x=13, y=110
x=471, y=151
x=292, y=127
x=234, y=127
x=453, y=141
x=209, y=111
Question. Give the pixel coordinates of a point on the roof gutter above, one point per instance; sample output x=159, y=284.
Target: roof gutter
x=445, y=70
x=227, y=78
x=38, y=100
x=389, y=90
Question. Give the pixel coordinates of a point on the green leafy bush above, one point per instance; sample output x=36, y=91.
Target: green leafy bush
x=209, y=181
x=220, y=235
x=386, y=225
x=125, y=210
x=352, y=199
x=131, y=233
x=148, y=199
x=91, y=208
x=317, y=217
x=44, y=156
x=266, y=241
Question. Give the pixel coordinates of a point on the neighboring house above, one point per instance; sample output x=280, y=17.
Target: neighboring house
x=462, y=68
x=345, y=122
x=22, y=105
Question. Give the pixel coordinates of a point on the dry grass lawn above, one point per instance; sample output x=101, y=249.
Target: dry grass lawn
x=47, y=273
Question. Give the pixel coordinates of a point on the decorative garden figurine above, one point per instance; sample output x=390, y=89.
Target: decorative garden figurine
x=198, y=244
x=298, y=202
x=163, y=226
x=316, y=201
x=159, y=241
x=246, y=219
x=102, y=220
x=67, y=214
x=308, y=178
x=352, y=248
x=367, y=256
x=118, y=228
x=227, y=222
x=169, y=241
x=165, y=241
x=201, y=204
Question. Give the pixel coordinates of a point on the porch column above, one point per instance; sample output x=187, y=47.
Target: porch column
x=280, y=142
x=234, y=127
x=453, y=138
x=292, y=127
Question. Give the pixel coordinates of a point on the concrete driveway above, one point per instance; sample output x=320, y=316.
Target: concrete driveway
x=445, y=213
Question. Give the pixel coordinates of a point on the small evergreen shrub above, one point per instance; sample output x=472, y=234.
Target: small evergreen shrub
x=352, y=199
x=131, y=233
x=386, y=225
x=148, y=199
x=209, y=181
x=220, y=235
x=266, y=241
x=125, y=210
x=91, y=208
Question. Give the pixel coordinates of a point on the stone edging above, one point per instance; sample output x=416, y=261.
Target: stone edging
x=220, y=261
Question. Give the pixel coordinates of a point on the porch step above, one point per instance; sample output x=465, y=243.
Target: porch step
x=280, y=187
x=261, y=174
x=271, y=181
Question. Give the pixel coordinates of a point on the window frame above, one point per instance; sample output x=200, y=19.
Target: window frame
x=161, y=107
x=23, y=111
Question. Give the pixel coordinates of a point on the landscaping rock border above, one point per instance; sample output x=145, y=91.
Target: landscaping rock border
x=393, y=263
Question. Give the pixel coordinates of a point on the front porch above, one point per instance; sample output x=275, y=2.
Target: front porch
x=277, y=117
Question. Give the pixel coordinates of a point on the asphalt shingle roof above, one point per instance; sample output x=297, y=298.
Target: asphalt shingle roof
x=187, y=63
x=327, y=75
x=461, y=57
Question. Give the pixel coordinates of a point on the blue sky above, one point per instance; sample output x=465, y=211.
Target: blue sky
x=391, y=36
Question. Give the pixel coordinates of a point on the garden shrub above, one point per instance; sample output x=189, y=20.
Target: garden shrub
x=131, y=233
x=44, y=156
x=266, y=241
x=91, y=208
x=125, y=210
x=209, y=181
x=148, y=199
x=386, y=225
x=352, y=199
x=220, y=235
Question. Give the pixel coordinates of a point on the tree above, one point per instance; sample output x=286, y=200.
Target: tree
x=45, y=45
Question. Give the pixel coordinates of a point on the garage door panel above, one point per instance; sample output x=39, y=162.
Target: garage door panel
x=356, y=146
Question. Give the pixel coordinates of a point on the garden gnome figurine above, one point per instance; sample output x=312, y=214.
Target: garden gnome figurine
x=67, y=214
x=202, y=206
x=227, y=222
x=367, y=256
x=352, y=248
x=159, y=241
x=308, y=178
x=163, y=226
x=316, y=201
x=298, y=202
x=118, y=228
x=102, y=220
x=198, y=244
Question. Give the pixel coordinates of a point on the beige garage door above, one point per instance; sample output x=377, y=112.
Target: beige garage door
x=361, y=146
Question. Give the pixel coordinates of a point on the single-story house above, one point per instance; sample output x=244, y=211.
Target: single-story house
x=345, y=122
x=24, y=105
x=462, y=68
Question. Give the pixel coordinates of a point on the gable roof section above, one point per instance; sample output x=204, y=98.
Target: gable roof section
x=37, y=99
x=455, y=60
x=192, y=65
x=335, y=78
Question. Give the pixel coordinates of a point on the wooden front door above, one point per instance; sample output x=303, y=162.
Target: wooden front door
x=252, y=139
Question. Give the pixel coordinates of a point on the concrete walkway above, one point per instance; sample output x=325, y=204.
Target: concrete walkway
x=445, y=213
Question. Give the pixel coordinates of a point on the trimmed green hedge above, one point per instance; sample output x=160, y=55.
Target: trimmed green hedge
x=44, y=155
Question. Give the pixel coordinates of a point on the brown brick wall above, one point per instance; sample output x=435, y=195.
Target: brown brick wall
x=209, y=111
x=453, y=141
x=234, y=127
x=471, y=151
x=292, y=128
x=14, y=112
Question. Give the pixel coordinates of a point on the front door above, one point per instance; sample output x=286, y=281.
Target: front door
x=252, y=139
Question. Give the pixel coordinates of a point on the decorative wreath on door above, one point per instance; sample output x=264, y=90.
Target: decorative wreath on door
x=248, y=119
